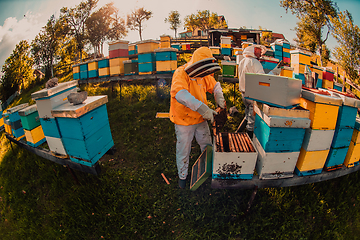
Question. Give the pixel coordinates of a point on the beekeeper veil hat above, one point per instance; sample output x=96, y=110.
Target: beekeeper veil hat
x=202, y=63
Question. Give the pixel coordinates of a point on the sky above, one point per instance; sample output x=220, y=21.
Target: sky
x=23, y=19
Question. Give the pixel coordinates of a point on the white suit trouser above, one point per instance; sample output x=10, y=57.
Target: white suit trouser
x=249, y=113
x=184, y=136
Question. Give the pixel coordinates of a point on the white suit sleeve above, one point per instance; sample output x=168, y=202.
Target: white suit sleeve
x=188, y=100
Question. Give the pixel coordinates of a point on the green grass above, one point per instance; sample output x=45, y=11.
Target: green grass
x=130, y=199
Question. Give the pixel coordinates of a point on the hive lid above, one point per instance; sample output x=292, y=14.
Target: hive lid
x=231, y=63
x=69, y=110
x=287, y=68
x=119, y=41
x=28, y=110
x=17, y=108
x=319, y=97
x=47, y=92
x=346, y=99
x=165, y=50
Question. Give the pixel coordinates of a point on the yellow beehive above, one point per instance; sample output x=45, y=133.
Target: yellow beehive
x=34, y=135
x=322, y=116
x=215, y=50
x=145, y=73
x=243, y=37
x=1, y=122
x=356, y=136
x=92, y=66
x=8, y=129
x=298, y=56
x=104, y=71
x=165, y=41
x=117, y=65
x=165, y=66
x=147, y=46
x=132, y=47
x=327, y=84
x=311, y=160
x=225, y=45
x=287, y=50
x=76, y=69
x=353, y=154
x=245, y=44
x=298, y=68
x=287, y=72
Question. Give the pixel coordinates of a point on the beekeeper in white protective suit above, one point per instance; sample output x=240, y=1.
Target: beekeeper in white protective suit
x=188, y=105
x=251, y=64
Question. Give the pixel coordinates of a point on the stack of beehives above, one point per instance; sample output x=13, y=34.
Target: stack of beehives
x=146, y=56
x=225, y=45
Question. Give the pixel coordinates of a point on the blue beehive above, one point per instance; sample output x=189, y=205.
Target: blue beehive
x=343, y=131
x=85, y=129
x=83, y=71
x=15, y=122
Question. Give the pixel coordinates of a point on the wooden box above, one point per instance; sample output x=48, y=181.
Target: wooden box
x=232, y=165
x=146, y=57
x=35, y=137
x=119, y=44
x=323, y=109
x=93, y=65
x=327, y=83
x=228, y=69
x=165, y=54
x=131, y=67
x=215, y=50
x=225, y=40
x=226, y=51
x=76, y=69
x=56, y=145
x=274, y=90
x=104, y=72
x=299, y=56
x=47, y=99
x=299, y=68
x=342, y=137
x=103, y=63
x=286, y=72
x=85, y=129
x=328, y=74
x=336, y=158
x=147, y=46
x=147, y=67
x=50, y=127
x=117, y=62
x=353, y=155
x=317, y=140
x=274, y=165
x=166, y=66
x=29, y=117
x=279, y=133
x=311, y=162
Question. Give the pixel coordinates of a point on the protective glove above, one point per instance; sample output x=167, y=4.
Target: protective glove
x=276, y=71
x=219, y=96
x=206, y=112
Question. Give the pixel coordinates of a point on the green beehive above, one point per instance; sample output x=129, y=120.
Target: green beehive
x=228, y=69
x=29, y=117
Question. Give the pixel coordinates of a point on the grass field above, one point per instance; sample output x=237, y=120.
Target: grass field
x=130, y=200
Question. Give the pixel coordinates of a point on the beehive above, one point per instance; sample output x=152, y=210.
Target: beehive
x=228, y=68
x=279, y=134
x=17, y=130
x=117, y=65
x=165, y=41
x=104, y=67
x=85, y=129
x=131, y=67
x=132, y=49
x=344, y=130
x=353, y=155
x=338, y=86
x=176, y=45
x=215, y=50
x=310, y=162
x=274, y=90
x=146, y=63
x=328, y=74
x=76, y=72
x=83, y=71
x=235, y=50
x=118, y=49
x=268, y=63
x=234, y=156
x=323, y=109
x=300, y=57
x=46, y=100
x=93, y=69
x=147, y=46
x=31, y=123
x=286, y=71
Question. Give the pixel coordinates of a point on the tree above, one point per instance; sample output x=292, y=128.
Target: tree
x=314, y=16
x=174, y=20
x=46, y=44
x=17, y=70
x=76, y=18
x=104, y=24
x=136, y=18
x=204, y=20
x=348, y=37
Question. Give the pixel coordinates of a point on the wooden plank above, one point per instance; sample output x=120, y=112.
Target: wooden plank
x=45, y=153
x=201, y=169
x=287, y=182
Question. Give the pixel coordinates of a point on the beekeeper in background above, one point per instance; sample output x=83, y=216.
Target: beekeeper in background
x=188, y=105
x=251, y=64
